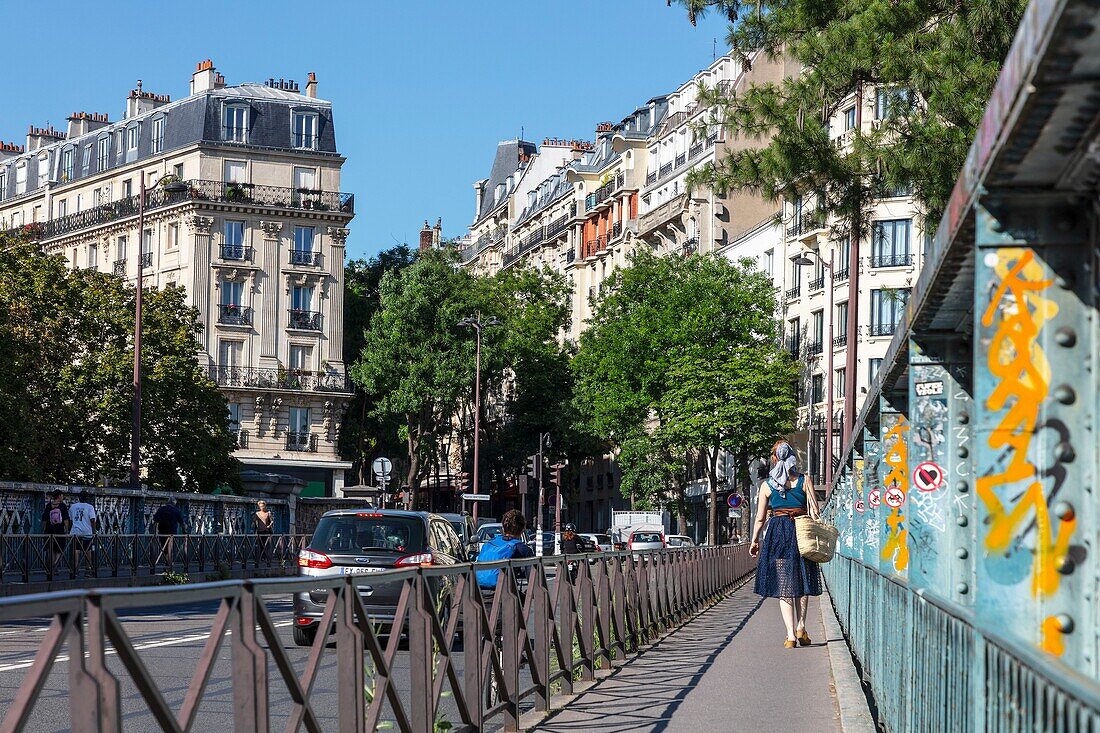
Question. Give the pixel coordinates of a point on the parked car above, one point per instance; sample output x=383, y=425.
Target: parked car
x=464, y=527
x=680, y=540
x=355, y=542
x=646, y=540
x=602, y=542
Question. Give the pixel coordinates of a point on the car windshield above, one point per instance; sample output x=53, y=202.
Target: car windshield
x=459, y=527
x=603, y=539
x=363, y=532
x=646, y=537
x=486, y=533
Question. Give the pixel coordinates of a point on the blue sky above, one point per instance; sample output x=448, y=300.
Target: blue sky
x=422, y=91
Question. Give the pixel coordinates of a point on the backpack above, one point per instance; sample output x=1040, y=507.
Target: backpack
x=497, y=548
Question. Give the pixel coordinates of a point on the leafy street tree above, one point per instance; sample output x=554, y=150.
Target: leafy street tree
x=362, y=434
x=682, y=361
x=66, y=351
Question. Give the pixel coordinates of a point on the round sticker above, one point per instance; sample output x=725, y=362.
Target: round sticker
x=873, y=497
x=860, y=506
x=894, y=497
x=928, y=476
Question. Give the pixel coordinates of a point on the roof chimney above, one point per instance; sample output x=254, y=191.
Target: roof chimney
x=205, y=77
x=479, y=193
x=84, y=122
x=40, y=137
x=311, y=85
x=9, y=150
x=425, y=237
x=140, y=101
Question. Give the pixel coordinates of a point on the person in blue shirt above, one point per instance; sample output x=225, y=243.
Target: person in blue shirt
x=505, y=546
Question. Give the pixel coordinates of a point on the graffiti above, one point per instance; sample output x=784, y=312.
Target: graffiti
x=1021, y=374
x=926, y=505
x=896, y=547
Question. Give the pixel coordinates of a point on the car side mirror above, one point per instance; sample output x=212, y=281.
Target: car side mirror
x=471, y=551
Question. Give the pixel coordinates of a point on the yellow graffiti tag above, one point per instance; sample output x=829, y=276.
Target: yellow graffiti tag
x=1023, y=372
x=896, y=547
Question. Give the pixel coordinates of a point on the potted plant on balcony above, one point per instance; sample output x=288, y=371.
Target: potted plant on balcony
x=236, y=192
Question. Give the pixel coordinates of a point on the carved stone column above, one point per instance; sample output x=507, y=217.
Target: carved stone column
x=334, y=319
x=268, y=322
x=200, y=227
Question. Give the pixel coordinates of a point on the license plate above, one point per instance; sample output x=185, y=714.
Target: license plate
x=355, y=570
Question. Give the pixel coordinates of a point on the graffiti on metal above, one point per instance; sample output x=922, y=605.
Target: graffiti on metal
x=1021, y=528
x=895, y=547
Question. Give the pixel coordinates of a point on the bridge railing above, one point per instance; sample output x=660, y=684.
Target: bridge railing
x=571, y=617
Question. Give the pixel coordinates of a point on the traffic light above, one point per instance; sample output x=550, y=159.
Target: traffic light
x=557, y=469
x=533, y=467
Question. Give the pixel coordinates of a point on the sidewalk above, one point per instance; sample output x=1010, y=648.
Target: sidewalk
x=725, y=671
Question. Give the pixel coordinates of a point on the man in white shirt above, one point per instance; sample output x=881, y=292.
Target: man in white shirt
x=83, y=520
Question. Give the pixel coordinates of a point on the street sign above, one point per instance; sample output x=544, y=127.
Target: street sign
x=735, y=513
x=735, y=500
x=928, y=476
x=894, y=497
x=382, y=467
x=475, y=497
x=874, y=496
x=860, y=506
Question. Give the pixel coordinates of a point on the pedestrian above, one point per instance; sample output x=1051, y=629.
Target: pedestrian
x=83, y=525
x=55, y=525
x=781, y=571
x=507, y=545
x=570, y=546
x=263, y=524
x=167, y=521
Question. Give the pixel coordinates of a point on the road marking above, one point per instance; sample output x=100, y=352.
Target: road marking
x=139, y=647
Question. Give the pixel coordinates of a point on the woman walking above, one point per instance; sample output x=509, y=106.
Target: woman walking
x=781, y=571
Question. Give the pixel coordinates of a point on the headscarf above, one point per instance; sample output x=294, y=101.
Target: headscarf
x=786, y=465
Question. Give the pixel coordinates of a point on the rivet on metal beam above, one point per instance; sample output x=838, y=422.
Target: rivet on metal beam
x=962, y=487
x=962, y=553
x=1065, y=394
x=962, y=451
x=963, y=418
x=1064, y=452
x=1065, y=623
x=962, y=589
x=1065, y=282
x=1064, y=564
x=1064, y=510
x=961, y=520
x=1065, y=337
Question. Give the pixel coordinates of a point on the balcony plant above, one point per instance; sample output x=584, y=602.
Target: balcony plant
x=236, y=192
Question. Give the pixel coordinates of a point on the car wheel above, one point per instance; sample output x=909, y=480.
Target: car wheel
x=304, y=635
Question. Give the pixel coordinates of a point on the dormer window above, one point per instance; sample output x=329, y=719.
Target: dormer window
x=499, y=193
x=305, y=130
x=132, y=137
x=235, y=123
x=43, y=170
x=3, y=183
x=103, y=152
x=67, y=164
x=20, y=177
x=158, y=134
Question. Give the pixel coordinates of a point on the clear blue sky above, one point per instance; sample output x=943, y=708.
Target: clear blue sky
x=422, y=91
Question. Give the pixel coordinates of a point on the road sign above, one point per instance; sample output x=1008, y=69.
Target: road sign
x=735, y=513
x=475, y=497
x=382, y=467
x=735, y=500
x=928, y=476
x=894, y=497
x=860, y=506
x=873, y=497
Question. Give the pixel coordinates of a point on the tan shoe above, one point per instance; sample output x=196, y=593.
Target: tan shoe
x=788, y=644
x=804, y=638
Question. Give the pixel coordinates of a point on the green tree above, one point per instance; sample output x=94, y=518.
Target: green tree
x=934, y=63
x=66, y=347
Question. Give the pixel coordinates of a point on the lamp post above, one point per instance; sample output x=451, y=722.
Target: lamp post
x=176, y=186
x=477, y=324
x=804, y=260
x=544, y=440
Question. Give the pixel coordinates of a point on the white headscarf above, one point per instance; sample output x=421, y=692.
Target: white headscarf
x=786, y=465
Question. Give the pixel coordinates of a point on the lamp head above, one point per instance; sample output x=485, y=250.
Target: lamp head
x=493, y=321
x=175, y=187
x=803, y=261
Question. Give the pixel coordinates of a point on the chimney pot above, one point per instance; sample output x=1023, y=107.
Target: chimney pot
x=311, y=85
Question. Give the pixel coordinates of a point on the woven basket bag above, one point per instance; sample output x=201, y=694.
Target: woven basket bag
x=816, y=540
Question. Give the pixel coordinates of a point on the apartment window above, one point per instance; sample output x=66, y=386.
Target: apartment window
x=43, y=171
x=235, y=123
x=796, y=274
x=305, y=130
x=3, y=183
x=173, y=236
x=890, y=102
x=873, y=365
x=299, y=421
x=817, y=388
x=230, y=353
x=890, y=243
x=158, y=134
x=838, y=381
x=236, y=171
x=103, y=152
x=62, y=207
x=177, y=170
x=67, y=164
x=794, y=337
x=301, y=298
x=231, y=292
x=93, y=256
x=233, y=246
x=819, y=327
x=127, y=188
x=305, y=179
x=86, y=158
x=97, y=197
x=132, y=138
x=767, y=261
x=147, y=248
x=20, y=177
x=120, y=249
x=301, y=358
x=849, y=119
x=234, y=417
x=887, y=305
x=841, y=319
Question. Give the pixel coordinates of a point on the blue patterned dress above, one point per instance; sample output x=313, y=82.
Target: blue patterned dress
x=780, y=571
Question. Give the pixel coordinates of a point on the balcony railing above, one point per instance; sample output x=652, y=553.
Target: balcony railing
x=841, y=275
x=681, y=159
x=590, y=247
x=556, y=226
x=691, y=245
x=665, y=170
x=883, y=329
x=794, y=348
x=146, y=260
x=891, y=260
x=197, y=190
x=817, y=283
x=616, y=229
x=570, y=255
x=237, y=252
x=304, y=257
x=240, y=437
x=120, y=268
x=695, y=149
x=840, y=340
x=815, y=348
x=650, y=178
x=305, y=320
x=793, y=293
x=302, y=442
x=289, y=379
x=233, y=314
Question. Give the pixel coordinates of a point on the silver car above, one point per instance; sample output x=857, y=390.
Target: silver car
x=680, y=540
x=646, y=539
x=603, y=542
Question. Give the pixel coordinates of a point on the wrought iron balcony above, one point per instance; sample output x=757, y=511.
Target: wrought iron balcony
x=590, y=247
x=793, y=293
x=650, y=178
x=616, y=229
x=817, y=283
x=695, y=150
x=233, y=314
x=302, y=442
x=794, y=347
x=305, y=320
x=681, y=159
x=120, y=268
x=815, y=348
x=891, y=260
x=590, y=202
x=289, y=379
x=665, y=170
x=840, y=340
x=304, y=257
x=556, y=226
x=146, y=259
x=883, y=329
x=691, y=245
x=712, y=138
x=240, y=437
x=237, y=252
x=840, y=275
x=570, y=255
x=196, y=190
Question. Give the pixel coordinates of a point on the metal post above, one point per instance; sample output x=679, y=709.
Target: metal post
x=135, y=437
x=477, y=410
x=829, y=385
x=538, y=477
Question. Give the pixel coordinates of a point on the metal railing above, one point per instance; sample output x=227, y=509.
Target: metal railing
x=793, y=293
x=120, y=268
x=891, y=260
x=294, y=379
x=814, y=348
x=305, y=320
x=841, y=276
x=817, y=283
x=840, y=340
x=883, y=329
x=30, y=558
x=234, y=314
x=304, y=257
x=650, y=178
x=531, y=638
x=302, y=442
x=146, y=260
x=237, y=252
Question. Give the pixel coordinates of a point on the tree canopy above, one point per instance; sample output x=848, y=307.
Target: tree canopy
x=66, y=349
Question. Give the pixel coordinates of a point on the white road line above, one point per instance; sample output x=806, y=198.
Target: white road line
x=148, y=645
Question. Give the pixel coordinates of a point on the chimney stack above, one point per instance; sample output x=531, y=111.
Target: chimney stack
x=479, y=194
x=311, y=85
x=9, y=150
x=205, y=77
x=437, y=231
x=40, y=137
x=84, y=122
x=140, y=101
x=425, y=237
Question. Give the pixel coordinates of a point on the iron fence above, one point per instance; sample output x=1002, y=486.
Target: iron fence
x=561, y=631
x=27, y=558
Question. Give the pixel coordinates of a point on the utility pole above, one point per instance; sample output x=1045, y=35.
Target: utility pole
x=477, y=325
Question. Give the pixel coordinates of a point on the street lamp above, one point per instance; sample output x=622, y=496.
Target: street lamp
x=802, y=261
x=174, y=186
x=477, y=324
x=544, y=440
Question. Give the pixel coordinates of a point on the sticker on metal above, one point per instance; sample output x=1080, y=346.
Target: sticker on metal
x=894, y=497
x=928, y=476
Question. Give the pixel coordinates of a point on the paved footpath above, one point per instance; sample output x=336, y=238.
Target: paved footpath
x=724, y=671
